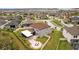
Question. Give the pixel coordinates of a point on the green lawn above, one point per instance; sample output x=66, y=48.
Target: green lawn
x=18, y=33
x=6, y=38
x=56, y=22
x=42, y=39
x=20, y=42
x=53, y=42
x=23, y=39
x=64, y=45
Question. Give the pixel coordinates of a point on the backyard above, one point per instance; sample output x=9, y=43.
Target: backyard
x=18, y=42
x=42, y=39
x=56, y=44
x=64, y=45
x=53, y=42
x=22, y=39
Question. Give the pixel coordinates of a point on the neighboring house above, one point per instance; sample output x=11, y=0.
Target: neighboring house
x=2, y=22
x=75, y=19
x=72, y=35
x=26, y=23
x=13, y=24
x=3, y=17
x=41, y=29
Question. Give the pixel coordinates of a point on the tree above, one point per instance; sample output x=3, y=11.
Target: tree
x=33, y=17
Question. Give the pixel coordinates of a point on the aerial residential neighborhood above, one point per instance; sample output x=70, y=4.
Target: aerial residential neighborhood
x=39, y=29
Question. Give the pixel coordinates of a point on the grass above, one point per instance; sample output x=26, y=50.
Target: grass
x=19, y=33
x=42, y=39
x=6, y=35
x=56, y=22
x=23, y=39
x=64, y=45
x=53, y=42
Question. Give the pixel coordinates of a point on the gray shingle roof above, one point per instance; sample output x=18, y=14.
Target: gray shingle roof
x=14, y=22
x=75, y=18
x=73, y=30
x=2, y=22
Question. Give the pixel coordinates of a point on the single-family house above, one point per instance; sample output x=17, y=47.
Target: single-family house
x=13, y=24
x=75, y=19
x=2, y=22
x=72, y=35
x=41, y=29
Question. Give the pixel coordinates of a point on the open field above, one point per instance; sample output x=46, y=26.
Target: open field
x=7, y=37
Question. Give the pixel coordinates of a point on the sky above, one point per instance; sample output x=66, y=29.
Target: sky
x=39, y=3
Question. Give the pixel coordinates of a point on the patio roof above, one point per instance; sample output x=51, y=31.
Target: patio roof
x=27, y=33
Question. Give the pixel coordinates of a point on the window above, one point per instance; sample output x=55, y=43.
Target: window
x=75, y=36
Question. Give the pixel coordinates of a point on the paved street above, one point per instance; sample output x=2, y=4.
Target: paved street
x=53, y=26
x=4, y=25
x=62, y=22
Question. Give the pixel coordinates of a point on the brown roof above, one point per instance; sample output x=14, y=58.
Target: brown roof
x=39, y=26
x=73, y=30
